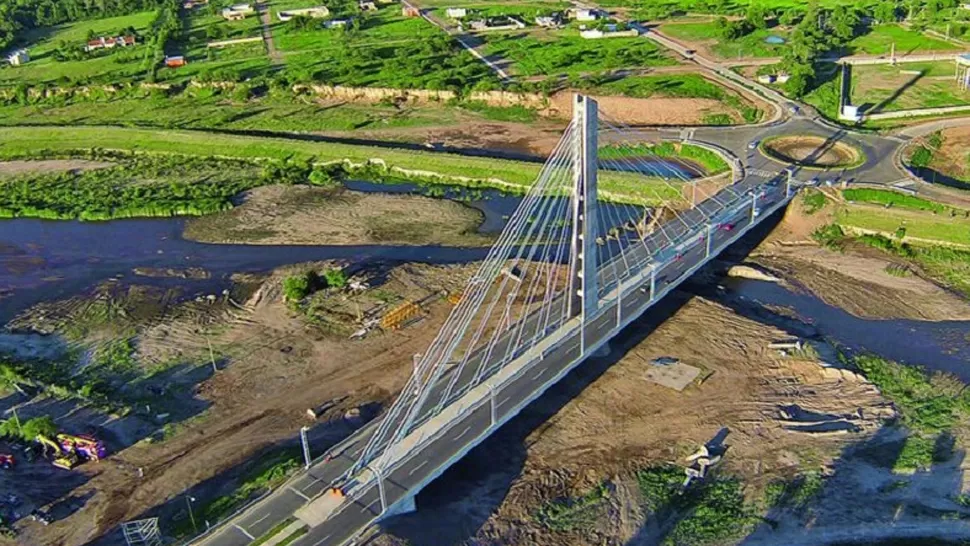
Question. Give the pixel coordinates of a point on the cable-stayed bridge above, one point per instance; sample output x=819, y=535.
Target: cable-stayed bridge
x=607, y=229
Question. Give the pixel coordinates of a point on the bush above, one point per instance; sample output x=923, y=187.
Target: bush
x=43, y=425
x=297, y=287
x=335, y=278
x=830, y=236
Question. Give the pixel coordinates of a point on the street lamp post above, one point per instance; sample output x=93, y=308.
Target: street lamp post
x=188, y=503
x=306, y=446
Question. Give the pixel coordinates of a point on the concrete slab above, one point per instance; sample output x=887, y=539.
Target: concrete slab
x=319, y=510
x=673, y=376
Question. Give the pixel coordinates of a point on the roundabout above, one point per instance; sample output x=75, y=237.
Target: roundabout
x=812, y=152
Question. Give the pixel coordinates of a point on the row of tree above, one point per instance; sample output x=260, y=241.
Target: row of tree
x=17, y=16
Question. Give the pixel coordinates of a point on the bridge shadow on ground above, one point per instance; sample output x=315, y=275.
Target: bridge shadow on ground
x=455, y=507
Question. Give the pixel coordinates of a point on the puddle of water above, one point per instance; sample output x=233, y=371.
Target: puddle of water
x=937, y=346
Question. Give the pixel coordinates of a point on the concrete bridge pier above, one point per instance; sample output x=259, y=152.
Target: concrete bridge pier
x=403, y=506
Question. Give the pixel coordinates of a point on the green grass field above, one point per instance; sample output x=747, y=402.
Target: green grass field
x=118, y=64
x=388, y=50
x=564, y=52
x=515, y=176
x=880, y=38
x=885, y=88
x=941, y=228
x=752, y=45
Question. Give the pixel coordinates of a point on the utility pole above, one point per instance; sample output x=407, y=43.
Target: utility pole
x=306, y=446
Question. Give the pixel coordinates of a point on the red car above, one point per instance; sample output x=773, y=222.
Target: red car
x=727, y=227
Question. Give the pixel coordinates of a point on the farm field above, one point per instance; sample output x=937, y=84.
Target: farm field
x=880, y=38
x=563, y=52
x=704, y=35
x=114, y=65
x=885, y=88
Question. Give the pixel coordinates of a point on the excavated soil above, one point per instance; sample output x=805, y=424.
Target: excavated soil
x=811, y=151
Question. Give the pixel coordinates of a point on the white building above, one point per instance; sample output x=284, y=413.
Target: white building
x=456, y=13
x=18, y=57
x=549, y=21
x=238, y=12
x=586, y=14
x=318, y=12
x=610, y=32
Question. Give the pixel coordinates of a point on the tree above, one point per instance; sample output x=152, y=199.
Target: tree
x=297, y=287
x=757, y=15
x=43, y=425
x=843, y=22
x=885, y=12
x=789, y=17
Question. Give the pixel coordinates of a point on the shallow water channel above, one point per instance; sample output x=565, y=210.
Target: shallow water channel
x=936, y=345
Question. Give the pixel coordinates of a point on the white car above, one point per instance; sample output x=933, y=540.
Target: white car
x=753, y=144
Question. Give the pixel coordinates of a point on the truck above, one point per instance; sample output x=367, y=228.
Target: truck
x=59, y=457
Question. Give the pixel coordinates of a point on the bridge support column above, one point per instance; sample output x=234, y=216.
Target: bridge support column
x=403, y=506
x=583, y=286
x=653, y=281
x=790, y=172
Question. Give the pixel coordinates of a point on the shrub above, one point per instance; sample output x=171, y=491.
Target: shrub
x=297, y=287
x=335, y=278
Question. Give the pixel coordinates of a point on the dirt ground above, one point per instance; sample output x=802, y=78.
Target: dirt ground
x=812, y=151
x=16, y=168
x=300, y=215
x=952, y=159
x=652, y=111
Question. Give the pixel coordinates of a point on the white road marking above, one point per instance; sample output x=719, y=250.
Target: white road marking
x=504, y=400
x=243, y=531
x=375, y=501
x=415, y=469
x=261, y=519
x=463, y=432
x=299, y=493
x=538, y=375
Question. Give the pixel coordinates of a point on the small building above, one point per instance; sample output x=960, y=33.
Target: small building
x=106, y=42
x=318, y=12
x=782, y=78
x=965, y=6
x=766, y=78
x=850, y=112
x=502, y=22
x=336, y=23
x=407, y=10
x=192, y=4
x=583, y=14
x=549, y=21
x=175, y=61
x=367, y=5
x=609, y=31
x=18, y=57
x=456, y=13
x=238, y=12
